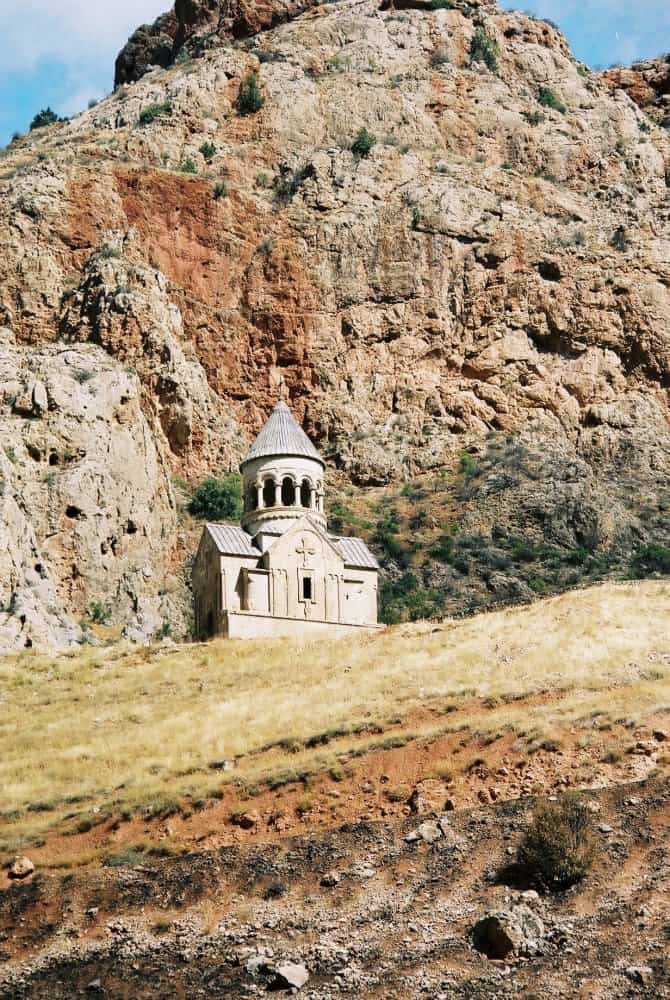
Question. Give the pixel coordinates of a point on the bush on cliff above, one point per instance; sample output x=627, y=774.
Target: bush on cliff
x=218, y=499
x=45, y=117
x=250, y=99
x=484, y=49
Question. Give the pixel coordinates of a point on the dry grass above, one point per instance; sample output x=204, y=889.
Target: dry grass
x=122, y=727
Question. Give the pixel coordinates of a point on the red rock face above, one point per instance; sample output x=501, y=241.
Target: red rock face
x=646, y=83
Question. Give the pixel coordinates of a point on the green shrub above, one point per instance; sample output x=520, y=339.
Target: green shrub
x=652, y=558
x=441, y=5
x=557, y=850
x=444, y=549
x=363, y=144
x=534, y=117
x=99, y=613
x=154, y=111
x=406, y=599
x=218, y=499
x=208, y=150
x=548, y=99
x=43, y=118
x=484, y=49
x=188, y=166
x=250, y=99
x=468, y=465
x=220, y=190
x=288, y=182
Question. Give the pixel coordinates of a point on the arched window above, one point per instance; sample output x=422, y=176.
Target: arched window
x=269, y=493
x=306, y=493
x=287, y=492
x=252, y=498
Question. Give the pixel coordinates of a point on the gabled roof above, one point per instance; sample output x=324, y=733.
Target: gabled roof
x=282, y=435
x=231, y=540
x=355, y=553
x=304, y=523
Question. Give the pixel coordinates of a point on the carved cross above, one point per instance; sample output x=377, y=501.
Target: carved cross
x=305, y=550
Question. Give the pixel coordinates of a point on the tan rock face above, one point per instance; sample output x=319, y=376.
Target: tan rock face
x=87, y=509
x=494, y=265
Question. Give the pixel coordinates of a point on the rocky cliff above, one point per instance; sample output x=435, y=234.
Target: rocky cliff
x=487, y=270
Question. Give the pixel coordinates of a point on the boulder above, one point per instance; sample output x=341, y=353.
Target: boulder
x=429, y=832
x=641, y=974
x=290, y=975
x=331, y=879
x=504, y=933
x=247, y=820
x=21, y=868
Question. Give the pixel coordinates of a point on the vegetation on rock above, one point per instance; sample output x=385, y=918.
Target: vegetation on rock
x=484, y=48
x=43, y=118
x=250, y=100
x=218, y=499
x=155, y=111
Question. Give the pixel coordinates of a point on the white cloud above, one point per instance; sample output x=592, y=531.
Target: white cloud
x=73, y=33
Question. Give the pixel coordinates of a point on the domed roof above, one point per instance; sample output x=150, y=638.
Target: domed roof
x=282, y=435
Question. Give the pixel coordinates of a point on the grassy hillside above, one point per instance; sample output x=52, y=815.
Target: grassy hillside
x=100, y=732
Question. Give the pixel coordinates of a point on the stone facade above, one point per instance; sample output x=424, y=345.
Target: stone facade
x=280, y=572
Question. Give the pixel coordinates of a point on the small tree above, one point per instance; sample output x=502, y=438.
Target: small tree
x=218, y=499
x=484, y=49
x=250, y=99
x=363, y=143
x=188, y=167
x=208, y=150
x=45, y=117
x=557, y=849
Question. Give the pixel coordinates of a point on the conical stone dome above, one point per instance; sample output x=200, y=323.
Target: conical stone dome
x=282, y=435
x=283, y=477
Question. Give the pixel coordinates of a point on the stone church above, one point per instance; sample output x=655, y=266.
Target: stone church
x=280, y=572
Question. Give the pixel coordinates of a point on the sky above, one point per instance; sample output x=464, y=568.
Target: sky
x=61, y=52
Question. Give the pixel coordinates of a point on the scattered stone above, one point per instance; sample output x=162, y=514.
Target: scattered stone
x=290, y=976
x=247, y=820
x=605, y=828
x=257, y=965
x=416, y=802
x=429, y=832
x=21, y=868
x=642, y=974
x=331, y=879
x=529, y=896
x=660, y=735
x=517, y=931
